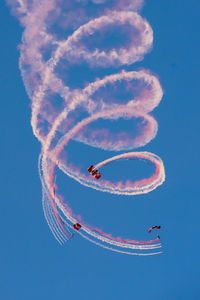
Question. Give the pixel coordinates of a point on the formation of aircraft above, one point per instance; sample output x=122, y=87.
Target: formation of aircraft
x=94, y=172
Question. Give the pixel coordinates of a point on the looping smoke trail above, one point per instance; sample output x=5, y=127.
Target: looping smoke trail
x=61, y=35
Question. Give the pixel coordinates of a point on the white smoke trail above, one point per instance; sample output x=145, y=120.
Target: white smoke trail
x=43, y=49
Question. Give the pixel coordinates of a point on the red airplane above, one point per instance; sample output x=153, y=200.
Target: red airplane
x=94, y=172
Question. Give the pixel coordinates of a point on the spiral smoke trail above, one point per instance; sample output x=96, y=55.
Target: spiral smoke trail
x=59, y=35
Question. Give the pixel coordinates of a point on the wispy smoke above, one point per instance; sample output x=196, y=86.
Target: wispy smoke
x=62, y=34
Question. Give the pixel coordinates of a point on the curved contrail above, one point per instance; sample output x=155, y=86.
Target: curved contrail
x=61, y=34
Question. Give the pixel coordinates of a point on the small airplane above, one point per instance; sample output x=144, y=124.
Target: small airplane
x=153, y=227
x=94, y=172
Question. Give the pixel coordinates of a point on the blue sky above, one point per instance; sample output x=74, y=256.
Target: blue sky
x=33, y=264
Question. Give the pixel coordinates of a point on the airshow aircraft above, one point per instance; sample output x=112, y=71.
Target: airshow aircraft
x=94, y=172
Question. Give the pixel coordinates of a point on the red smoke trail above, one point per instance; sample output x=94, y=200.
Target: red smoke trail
x=56, y=37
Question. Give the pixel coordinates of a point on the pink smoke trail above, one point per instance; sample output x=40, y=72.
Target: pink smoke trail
x=45, y=55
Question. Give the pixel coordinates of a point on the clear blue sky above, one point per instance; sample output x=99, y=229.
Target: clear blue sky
x=33, y=265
